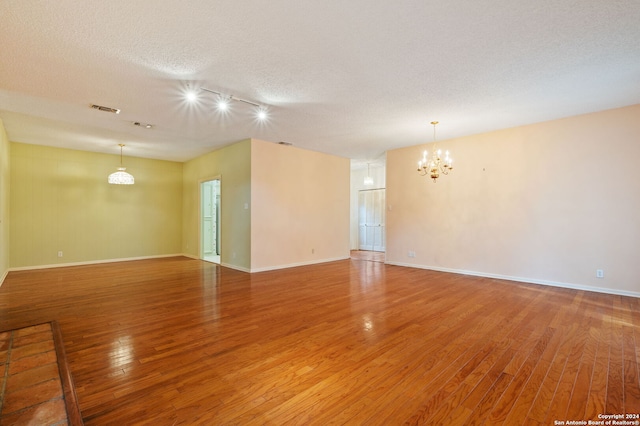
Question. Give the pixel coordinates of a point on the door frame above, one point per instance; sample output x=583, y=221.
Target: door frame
x=219, y=229
x=384, y=221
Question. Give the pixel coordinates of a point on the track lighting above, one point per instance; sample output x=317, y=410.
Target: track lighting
x=191, y=95
x=223, y=102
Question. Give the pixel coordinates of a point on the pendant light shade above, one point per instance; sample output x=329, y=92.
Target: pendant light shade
x=368, y=180
x=121, y=177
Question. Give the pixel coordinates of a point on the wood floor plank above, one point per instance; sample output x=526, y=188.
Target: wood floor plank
x=530, y=390
x=506, y=403
x=615, y=381
x=177, y=341
x=539, y=409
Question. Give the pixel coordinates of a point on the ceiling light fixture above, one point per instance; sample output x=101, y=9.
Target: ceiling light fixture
x=105, y=109
x=121, y=177
x=368, y=180
x=436, y=165
x=224, y=103
x=191, y=95
x=262, y=114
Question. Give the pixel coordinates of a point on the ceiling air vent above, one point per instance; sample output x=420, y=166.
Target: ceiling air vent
x=105, y=109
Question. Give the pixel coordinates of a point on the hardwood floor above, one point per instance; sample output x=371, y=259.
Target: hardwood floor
x=373, y=256
x=181, y=341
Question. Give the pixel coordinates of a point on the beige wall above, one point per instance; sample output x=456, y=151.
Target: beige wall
x=4, y=202
x=232, y=165
x=61, y=201
x=299, y=206
x=547, y=203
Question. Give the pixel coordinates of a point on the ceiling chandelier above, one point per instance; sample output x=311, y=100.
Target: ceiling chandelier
x=121, y=177
x=436, y=164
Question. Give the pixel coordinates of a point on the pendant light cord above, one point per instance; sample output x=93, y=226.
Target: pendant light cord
x=121, y=145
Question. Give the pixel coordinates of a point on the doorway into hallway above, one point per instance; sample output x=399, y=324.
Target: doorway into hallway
x=210, y=220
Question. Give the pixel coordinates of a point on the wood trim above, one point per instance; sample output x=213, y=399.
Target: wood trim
x=71, y=405
x=70, y=399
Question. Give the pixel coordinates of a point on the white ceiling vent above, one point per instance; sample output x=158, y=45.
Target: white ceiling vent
x=105, y=109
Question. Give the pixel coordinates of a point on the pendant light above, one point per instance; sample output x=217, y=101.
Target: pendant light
x=121, y=177
x=368, y=180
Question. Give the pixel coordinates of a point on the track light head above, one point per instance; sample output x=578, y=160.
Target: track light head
x=223, y=104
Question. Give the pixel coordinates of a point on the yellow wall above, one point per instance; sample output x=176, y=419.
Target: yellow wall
x=232, y=165
x=61, y=201
x=549, y=203
x=299, y=206
x=4, y=202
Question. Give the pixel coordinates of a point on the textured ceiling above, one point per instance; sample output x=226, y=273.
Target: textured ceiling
x=352, y=78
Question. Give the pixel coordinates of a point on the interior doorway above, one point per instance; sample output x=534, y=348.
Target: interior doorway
x=371, y=219
x=210, y=220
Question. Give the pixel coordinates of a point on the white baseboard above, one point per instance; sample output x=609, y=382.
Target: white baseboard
x=313, y=262
x=93, y=262
x=269, y=268
x=293, y=265
x=236, y=267
x=521, y=279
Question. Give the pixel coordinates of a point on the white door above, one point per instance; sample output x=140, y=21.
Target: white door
x=371, y=209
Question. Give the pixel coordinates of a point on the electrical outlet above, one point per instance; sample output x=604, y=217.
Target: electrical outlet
x=313, y=251
x=60, y=253
x=599, y=273
x=412, y=253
